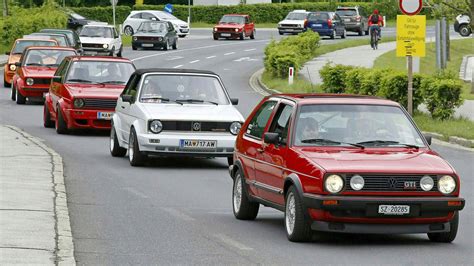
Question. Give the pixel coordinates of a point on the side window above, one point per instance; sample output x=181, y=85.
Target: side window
x=139, y=15
x=170, y=27
x=148, y=16
x=281, y=122
x=115, y=33
x=131, y=87
x=247, y=20
x=259, y=121
x=61, y=71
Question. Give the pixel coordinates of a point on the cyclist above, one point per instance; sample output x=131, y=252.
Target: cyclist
x=375, y=22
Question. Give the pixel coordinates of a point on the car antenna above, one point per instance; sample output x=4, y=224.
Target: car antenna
x=312, y=88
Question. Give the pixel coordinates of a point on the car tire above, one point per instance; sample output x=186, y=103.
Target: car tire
x=216, y=37
x=241, y=36
x=298, y=228
x=61, y=126
x=182, y=36
x=333, y=35
x=175, y=45
x=242, y=207
x=115, y=149
x=6, y=84
x=134, y=47
x=252, y=36
x=47, y=122
x=20, y=99
x=230, y=160
x=135, y=156
x=128, y=31
x=447, y=237
x=13, y=93
x=361, y=31
x=464, y=30
x=112, y=52
x=280, y=32
x=165, y=48
x=344, y=33
x=119, y=54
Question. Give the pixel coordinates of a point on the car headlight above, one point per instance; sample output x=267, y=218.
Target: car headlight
x=357, y=182
x=334, y=183
x=12, y=67
x=30, y=81
x=426, y=183
x=135, y=38
x=215, y=29
x=160, y=39
x=78, y=103
x=105, y=46
x=235, y=128
x=236, y=30
x=156, y=126
x=446, y=184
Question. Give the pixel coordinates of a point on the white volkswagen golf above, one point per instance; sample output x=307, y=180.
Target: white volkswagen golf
x=174, y=112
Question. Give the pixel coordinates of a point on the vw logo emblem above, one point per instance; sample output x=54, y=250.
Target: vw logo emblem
x=196, y=126
x=392, y=183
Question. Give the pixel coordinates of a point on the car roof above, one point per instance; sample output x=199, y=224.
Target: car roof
x=99, y=24
x=347, y=7
x=173, y=70
x=331, y=98
x=99, y=58
x=60, y=30
x=36, y=39
x=50, y=48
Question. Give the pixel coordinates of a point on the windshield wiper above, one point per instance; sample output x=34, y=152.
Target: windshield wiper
x=79, y=80
x=160, y=98
x=387, y=142
x=328, y=141
x=197, y=101
x=34, y=64
x=111, y=82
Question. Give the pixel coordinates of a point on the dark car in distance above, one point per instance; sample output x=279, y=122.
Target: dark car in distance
x=72, y=36
x=355, y=18
x=155, y=34
x=326, y=24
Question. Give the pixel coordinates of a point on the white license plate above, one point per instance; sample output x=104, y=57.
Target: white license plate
x=198, y=144
x=347, y=19
x=394, y=209
x=104, y=115
x=147, y=44
x=225, y=34
x=318, y=25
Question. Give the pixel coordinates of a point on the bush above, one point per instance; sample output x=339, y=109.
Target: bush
x=24, y=21
x=441, y=96
x=334, y=78
x=394, y=87
x=354, y=78
x=370, y=83
x=104, y=14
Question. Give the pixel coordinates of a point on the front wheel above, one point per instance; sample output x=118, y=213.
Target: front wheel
x=165, y=47
x=252, y=36
x=243, y=208
x=175, y=44
x=13, y=93
x=298, y=228
x=5, y=83
x=216, y=37
x=343, y=36
x=20, y=99
x=135, y=156
x=119, y=54
x=115, y=149
x=61, y=126
x=447, y=237
x=47, y=122
x=241, y=36
x=464, y=30
x=182, y=36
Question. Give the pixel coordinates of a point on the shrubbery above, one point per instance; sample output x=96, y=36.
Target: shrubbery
x=104, y=13
x=291, y=51
x=440, y=93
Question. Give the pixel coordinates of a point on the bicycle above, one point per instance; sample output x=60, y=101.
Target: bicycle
x=374, y=38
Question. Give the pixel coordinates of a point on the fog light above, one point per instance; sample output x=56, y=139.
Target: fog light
x=426, y=183
x=357, y=182
x=29, y=81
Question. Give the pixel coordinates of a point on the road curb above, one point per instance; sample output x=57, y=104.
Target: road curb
x=257, y=85
x=462, y=70
x=64, y=242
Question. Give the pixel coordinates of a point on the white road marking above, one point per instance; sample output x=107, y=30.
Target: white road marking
x=178, y=66
x=195, y=61
x=178, y=214
x=245, y=59
x=229, y=53
x=231, y=242
x=248, y=50
x=171, y=58
x=209, y=57
x=135, y=192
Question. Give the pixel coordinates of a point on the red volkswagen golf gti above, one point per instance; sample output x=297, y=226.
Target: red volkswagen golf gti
x=343, y=163
x=35, y=70
x=84, y=92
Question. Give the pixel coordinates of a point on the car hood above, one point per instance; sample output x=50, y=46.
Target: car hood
x=13, y=58
x=397, y=160
x=95, y=90
x=194, y=112
x=39, y=71
x=231, y=26
x=288, y=21
x=96, y=40
x=178, y=22
x=148, y=34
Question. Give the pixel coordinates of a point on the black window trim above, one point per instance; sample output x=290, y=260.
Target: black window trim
x=293, y=105
x=277, y=101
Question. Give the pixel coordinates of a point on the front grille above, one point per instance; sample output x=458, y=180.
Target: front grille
x=225, y=30
x=42, y=80
x=100, y=103
x=204, y=126
x=390, y=182
x=183, y=26
x=149, y=38
x=92, y=45
x=290, y=25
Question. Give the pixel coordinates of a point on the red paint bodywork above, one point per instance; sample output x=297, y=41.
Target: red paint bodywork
x=246, y=28
x=270, y=165
x=61, y=96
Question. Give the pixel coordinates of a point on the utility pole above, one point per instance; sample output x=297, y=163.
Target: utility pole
x=5, y=8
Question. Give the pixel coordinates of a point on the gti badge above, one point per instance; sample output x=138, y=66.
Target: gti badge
x=409, y=185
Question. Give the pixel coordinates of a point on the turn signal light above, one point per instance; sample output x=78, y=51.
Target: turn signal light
x=330, y=202
x=454, y=203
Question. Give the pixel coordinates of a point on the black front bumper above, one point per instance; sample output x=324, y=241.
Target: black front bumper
x=149, y=44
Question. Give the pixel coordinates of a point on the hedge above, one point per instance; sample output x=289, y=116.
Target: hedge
x=104, y=13
x=25, y=21
x=441, y=93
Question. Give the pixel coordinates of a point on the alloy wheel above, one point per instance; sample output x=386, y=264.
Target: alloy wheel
x=112, y=138
x=237, y=195
x=290, y=213
x=131, y=143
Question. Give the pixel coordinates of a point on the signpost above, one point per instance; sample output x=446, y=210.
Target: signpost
x=114, y=3
x=291, y=74
x=411, y=34
x=169, y=8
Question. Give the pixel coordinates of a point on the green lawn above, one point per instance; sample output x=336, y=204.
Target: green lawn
x=453, y=127
x=126, y=40
x=459, y=48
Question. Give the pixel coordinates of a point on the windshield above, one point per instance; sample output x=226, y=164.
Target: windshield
x=51, y=58
x=69, y=34
x=99, y=72
x=347, y=13
x=99, y=32
x=182, y=88
x=76, y=16
x=232, y=19
x=318, y=16
x=166, y=16
x=22, y=44
x=151, y=26
x=296, y=16
x=367, y=125
x=61, y=39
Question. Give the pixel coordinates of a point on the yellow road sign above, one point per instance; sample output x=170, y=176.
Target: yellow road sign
x=411, y=34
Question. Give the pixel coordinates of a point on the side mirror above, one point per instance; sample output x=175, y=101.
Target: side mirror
x=18, y=64
x=271, y=138
x=153, y=19
x=7, y=53
x=57, y=79
x=127, y=98
x=428, y=139
x=234, y=101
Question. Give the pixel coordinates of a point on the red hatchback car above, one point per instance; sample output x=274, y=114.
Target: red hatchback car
x=84, y=92
x=35, y=70
x=234, y=26
x=343, y=163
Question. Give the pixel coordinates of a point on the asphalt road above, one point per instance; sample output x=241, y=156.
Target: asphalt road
x=178, y=211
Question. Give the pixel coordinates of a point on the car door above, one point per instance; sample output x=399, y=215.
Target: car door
x=247, y=26
x=171, y=34
x=56, y=88
x=117, y=40
x=271, y=160
x=252, y=140
x=124, y=118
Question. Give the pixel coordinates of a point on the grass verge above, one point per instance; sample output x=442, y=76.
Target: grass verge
x=459, y=48
x=460, y=127
x=126, y=40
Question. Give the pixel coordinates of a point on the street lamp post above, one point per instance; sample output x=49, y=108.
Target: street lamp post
x=189, y=12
